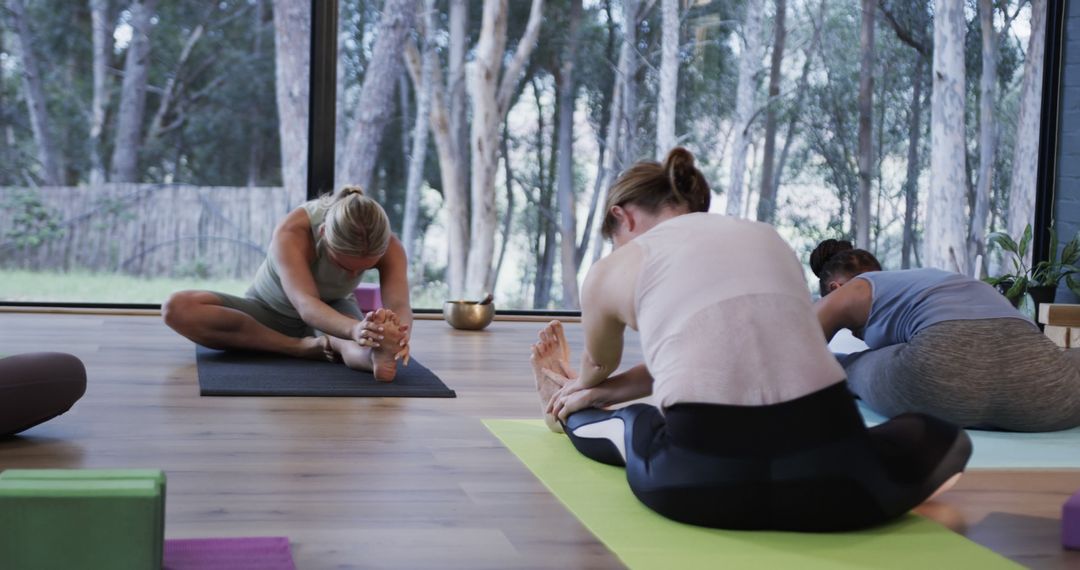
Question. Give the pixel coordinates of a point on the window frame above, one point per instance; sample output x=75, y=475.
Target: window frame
x=322, y=116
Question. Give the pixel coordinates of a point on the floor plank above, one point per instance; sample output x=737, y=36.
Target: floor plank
x=387, y=483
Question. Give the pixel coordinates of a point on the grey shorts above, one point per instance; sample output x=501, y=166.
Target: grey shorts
x=285, y=324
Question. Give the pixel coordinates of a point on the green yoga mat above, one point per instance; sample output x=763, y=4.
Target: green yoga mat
x=599, y=497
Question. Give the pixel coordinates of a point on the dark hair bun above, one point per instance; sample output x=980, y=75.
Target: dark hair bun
x=687, y=182
x=825, y=251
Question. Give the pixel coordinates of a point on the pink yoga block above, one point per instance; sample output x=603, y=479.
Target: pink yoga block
x=368, y=297
x=1070, y=523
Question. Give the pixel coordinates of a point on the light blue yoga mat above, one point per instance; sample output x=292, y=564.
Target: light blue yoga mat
x=1009, y=450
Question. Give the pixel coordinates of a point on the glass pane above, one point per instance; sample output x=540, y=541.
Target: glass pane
x=140, y=147
x=768, y=99
x=196, y=206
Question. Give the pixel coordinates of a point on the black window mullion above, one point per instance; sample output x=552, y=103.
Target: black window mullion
x=322, y=113
x=1049, y=125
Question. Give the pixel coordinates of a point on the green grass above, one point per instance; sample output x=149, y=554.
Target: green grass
x=86, y=287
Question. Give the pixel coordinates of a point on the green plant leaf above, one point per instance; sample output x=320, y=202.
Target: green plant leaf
x=1019, y=287
x=1073, y=285
x=1025, y=241
x=1018, y=269
x=1027, y=306
x=1045, y=273
x=1071, y=253
x=1004, y=241
x=1053, y=244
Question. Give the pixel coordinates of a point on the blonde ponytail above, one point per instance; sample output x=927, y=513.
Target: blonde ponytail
x=355, y=224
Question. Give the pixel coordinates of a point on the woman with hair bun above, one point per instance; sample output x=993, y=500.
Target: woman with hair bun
x=943, y=344
x=301, y=302
x=753, y=426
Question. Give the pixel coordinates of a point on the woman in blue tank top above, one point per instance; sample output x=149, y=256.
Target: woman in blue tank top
x=944, y=344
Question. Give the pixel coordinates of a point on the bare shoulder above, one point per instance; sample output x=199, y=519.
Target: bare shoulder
x=850, y=303
x=617, y=265
x=857, y=289
x=609, y=287
x=296, y=220
x=293, y=234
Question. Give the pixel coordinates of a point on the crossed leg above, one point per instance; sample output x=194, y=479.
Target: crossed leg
x=201, y=317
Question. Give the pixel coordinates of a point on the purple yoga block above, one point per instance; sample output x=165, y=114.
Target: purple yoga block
x=368, y=297
x=1070, y=523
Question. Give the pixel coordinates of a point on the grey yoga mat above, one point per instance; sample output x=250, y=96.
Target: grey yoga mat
x=234, y=373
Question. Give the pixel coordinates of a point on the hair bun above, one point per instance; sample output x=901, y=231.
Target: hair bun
x=679, y=166
x=825, y=251
x=686, y=181
x=350, y=190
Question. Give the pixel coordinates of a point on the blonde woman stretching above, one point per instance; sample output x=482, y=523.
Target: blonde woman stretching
x=317, y=256
x=754, y=427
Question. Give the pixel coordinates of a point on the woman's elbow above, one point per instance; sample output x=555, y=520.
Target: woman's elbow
x=305, y=307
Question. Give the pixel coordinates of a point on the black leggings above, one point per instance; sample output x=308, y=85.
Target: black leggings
x=809, y=464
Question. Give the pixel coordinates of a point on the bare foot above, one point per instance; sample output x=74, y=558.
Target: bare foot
x=558, y=335
x=315, y=348
x=550, y=353
x=328, y=351
x=383, y=363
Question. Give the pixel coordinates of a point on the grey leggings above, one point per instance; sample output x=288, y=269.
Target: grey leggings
x=993, y=374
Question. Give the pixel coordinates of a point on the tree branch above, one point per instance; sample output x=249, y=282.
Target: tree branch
x=902, y=33
x=512, y=74
x=170, y=86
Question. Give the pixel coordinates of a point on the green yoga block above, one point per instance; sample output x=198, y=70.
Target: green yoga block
x=155, y=475
x=71, y=520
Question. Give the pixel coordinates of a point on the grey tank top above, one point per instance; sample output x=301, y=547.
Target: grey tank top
x=907, y=301
x=333, y=282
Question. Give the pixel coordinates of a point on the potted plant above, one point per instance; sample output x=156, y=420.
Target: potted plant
x=1028, y=287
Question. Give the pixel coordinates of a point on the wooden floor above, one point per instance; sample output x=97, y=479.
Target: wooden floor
x=387, y=483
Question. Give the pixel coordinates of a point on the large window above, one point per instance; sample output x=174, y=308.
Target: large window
x=139, y=148
x=823, y=118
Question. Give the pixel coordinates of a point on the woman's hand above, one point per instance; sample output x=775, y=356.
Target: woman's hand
x=403, y=354
x=572, y=397
x=367, y=333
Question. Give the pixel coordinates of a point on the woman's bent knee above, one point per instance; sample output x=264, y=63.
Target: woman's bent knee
x=178, y=307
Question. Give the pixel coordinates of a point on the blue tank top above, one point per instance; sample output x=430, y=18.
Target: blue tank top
x=907, y=301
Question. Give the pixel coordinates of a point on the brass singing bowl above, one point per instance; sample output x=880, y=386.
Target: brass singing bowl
x=468, y=315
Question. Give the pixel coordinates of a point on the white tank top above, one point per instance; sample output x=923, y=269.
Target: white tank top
x=725, y=317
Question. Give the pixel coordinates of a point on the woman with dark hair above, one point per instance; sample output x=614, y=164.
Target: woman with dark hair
x=943, y=344
x=753, y=428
